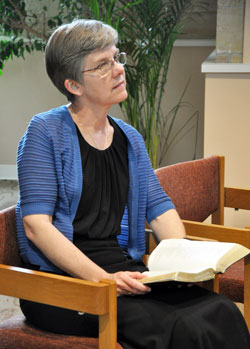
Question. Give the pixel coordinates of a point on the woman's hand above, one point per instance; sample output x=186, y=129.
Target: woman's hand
x=127, y=283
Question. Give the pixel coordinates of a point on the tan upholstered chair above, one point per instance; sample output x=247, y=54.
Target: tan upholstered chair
x=95, y=298
x=197, y=190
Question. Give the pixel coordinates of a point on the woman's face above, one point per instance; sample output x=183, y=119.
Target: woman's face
x=106, y=88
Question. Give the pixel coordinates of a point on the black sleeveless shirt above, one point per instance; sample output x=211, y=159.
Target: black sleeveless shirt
x=103, y=199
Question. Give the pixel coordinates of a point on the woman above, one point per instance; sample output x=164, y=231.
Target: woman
x=86, y=188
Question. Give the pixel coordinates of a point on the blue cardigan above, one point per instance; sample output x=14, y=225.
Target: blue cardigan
x=50, y=182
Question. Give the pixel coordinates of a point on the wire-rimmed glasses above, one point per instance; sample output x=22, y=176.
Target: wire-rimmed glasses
x=106, y=66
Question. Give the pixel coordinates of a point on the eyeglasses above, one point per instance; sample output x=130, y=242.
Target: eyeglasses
x=106, y=66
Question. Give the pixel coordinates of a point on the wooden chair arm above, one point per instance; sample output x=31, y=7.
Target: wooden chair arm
x=237, y=198
x=218, y=232
x=97, y=298
x=191, y=237
x=215, y=232
x=227, y=234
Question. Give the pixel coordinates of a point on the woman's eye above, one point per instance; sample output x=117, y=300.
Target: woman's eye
x=103, y=65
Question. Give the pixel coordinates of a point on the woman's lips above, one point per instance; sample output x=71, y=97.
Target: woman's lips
x=121, y=84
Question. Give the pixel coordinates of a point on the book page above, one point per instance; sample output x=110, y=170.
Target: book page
x=234, y=254
x=159, y=276
x=183, y=255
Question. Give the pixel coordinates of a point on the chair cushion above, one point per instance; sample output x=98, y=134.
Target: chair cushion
x=17, y=333
x=232, y=282
x=8, y=239
x=193, y=187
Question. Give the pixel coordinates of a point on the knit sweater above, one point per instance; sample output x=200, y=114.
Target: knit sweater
x=50, y=182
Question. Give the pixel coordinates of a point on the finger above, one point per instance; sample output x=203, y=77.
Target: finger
x=135, y=287
x=139, y=286
x=123, y=287
x=127, y=283
x=138, y=276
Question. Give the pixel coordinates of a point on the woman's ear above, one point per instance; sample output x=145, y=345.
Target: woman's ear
x=73, y=87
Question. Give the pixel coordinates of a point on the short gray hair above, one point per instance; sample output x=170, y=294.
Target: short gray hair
x=68, y=46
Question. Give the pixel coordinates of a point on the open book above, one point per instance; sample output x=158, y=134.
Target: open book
x=191, y=261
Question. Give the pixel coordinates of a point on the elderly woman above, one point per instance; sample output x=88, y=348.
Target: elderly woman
x=86, y=188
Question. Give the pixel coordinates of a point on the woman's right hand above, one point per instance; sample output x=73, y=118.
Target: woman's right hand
x=127, y=283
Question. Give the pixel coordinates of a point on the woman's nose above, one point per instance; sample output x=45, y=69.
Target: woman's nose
x=118, y=68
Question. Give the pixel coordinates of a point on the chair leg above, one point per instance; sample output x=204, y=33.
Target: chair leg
x=212, y=284
x=108, y=322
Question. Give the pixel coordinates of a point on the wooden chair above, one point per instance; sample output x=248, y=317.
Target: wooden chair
x=197, y=190
x=100, y=298
x=97, y=298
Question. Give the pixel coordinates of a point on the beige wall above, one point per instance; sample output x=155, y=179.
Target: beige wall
x=226, y=131
x=25, y=90
x=185, y=64
x=246, y=42
x=229, y=31
x=227, y=117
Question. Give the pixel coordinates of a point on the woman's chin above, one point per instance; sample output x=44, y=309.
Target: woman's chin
x=123, y=96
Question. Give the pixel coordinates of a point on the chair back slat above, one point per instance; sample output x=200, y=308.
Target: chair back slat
x=9, y=253
x=193, y=187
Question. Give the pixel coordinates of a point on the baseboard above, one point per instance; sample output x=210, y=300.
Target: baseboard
x=8, y=172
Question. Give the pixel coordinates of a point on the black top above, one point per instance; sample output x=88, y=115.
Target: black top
x=103, y=199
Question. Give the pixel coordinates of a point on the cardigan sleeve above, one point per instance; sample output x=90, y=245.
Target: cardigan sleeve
x=36, y=170
x=158, y=201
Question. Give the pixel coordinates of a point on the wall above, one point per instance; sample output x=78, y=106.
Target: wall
x=227, y=125
x=227, y=102
x=185, y=65
x=24, y=91
x=246, y=41
x=230, y=31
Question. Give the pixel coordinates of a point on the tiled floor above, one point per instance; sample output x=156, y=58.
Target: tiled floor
x=9, y=307
x=8, y=193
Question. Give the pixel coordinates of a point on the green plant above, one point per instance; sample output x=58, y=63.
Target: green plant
x=168, y=135
x=147, y=29
x=148, y=35
x=25, y=25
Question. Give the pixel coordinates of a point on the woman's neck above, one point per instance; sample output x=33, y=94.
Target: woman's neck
x=94, y=118
x=93, y=125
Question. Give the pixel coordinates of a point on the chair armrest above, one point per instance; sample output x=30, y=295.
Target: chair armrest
x=218, y=232
x=191, y=237
x=227, y=234
x=150, y=240
x=97, y=298
x=237, y=198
